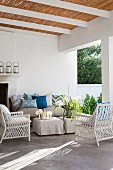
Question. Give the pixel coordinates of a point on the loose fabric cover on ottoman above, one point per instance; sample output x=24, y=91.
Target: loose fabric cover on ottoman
x=69, y=125
x=48, y=127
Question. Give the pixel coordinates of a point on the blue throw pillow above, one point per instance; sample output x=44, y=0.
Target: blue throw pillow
x=41, y=101
x=28, y=104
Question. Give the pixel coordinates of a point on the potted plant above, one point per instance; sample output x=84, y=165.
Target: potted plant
x=71, y=106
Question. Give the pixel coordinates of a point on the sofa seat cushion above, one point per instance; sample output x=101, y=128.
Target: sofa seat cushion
x=58, y=112
x=30, y=111
x=49, y=108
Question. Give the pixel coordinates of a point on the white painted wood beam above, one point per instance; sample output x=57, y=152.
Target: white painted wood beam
x=35, y=26
x=27, y=32
x=74, y=7
x=43, y=16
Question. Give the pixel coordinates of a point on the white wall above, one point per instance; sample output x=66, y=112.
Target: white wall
x=93, y=90
x=7, y=46
x=43, y=69
x=96, y=30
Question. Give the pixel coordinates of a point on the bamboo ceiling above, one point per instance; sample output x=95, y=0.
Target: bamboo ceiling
x=31, y=6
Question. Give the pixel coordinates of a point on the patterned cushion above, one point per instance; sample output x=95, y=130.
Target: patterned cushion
x=28, y=104
x=16, y=102
x=103, y=112
x=57, y=98
x=41, y=101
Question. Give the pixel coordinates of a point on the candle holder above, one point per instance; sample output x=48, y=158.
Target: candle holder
x=8, y=67
x=1, y=67
x=15, y=67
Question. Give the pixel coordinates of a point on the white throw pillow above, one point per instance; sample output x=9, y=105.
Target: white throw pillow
x=6, y=111
x=49, y=99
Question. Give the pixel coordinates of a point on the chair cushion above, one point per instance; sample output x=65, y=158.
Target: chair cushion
x=15, y=120
x=5, y=111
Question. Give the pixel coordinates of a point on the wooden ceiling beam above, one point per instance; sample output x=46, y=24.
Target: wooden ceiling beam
x=34, y=26
x=74, y=7
x=43, y=16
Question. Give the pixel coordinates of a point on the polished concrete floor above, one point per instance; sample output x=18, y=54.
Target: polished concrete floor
x=82, y=156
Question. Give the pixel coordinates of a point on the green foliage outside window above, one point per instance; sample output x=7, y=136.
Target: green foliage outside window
x=89, y=65
x=89, y=103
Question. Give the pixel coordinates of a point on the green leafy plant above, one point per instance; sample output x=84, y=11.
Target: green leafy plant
x=89, y=104
x=99, y=98
x=89, y=65
x=71, y=106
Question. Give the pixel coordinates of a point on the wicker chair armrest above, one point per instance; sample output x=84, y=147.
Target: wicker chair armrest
x=17, y=113
x=83, y=115
x=84, y=118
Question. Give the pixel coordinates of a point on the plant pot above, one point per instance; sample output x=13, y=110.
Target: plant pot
x=68, y=114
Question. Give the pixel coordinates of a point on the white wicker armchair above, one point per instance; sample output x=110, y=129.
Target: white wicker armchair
x=98, y=126
x=13, y=124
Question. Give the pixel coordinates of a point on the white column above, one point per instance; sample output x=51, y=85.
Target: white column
x=107, y=69
x=111, y=70
x=72, y=73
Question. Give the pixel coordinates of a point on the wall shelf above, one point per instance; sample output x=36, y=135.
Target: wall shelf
x=8, y=76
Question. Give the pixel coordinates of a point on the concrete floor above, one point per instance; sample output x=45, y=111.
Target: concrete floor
x=86, y=156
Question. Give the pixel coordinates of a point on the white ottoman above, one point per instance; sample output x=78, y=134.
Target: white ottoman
x=48, y=127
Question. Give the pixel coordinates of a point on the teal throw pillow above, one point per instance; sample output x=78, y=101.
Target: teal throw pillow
x=41, y=101
x=28, y=104
x=27, y=96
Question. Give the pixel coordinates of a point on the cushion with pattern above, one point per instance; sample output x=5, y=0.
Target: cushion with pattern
x=28, y=104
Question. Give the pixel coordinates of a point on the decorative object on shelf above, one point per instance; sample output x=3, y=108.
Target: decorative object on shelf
x=8, y=67
x=49, y=114
x=39, y=113
x=1, y=67
x=15, y=67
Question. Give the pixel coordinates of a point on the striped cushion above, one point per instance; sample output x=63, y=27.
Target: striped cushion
x=57, y=98
x=16, y=102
